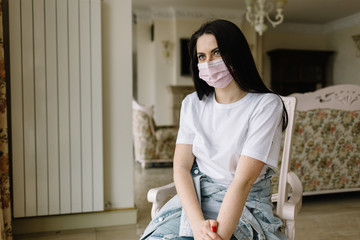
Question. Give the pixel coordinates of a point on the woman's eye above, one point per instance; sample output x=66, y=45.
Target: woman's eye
x=201, y=57
x=217, y=53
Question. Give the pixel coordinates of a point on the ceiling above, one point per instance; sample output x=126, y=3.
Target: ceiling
x=295, y=11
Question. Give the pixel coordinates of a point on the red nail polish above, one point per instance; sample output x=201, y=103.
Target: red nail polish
x=213, y=228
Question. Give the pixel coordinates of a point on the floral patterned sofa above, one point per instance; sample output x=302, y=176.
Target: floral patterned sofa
x=326, y=141
x=152, y=144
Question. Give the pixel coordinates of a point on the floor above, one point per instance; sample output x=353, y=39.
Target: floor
x=322, y=217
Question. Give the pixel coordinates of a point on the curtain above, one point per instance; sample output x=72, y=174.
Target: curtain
x=5, y=208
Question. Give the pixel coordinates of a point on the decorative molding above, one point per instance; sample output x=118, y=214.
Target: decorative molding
x=163, y=12
x=238, y=15
x=142, y=15
x=334, y=26
x=186, y=13
x=148, y=15
x=210, y=13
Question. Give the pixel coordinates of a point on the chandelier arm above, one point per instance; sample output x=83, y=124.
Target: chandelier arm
x=279, y=18
x=268, y=6
x=250, y=16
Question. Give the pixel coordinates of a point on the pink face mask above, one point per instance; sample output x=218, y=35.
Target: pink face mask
x=215, y=73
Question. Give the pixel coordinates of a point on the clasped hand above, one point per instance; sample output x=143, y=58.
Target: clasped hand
x=206, y=230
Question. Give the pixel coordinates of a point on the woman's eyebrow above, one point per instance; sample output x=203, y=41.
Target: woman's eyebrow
x=215, y=49
x=212, y=51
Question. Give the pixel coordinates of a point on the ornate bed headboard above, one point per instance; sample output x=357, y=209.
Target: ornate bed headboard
x=342, y=97
x=325, y=150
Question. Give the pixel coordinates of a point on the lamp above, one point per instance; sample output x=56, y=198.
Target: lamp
x=356, y=39
x=258, y=10
x=166, y=48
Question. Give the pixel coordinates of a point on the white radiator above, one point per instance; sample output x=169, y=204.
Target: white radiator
x=56, y=106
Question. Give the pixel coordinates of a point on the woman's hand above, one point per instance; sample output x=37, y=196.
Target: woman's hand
x=205, y=230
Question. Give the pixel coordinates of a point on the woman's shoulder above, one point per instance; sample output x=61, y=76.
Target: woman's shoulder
x=268, y=99
x=192, y=99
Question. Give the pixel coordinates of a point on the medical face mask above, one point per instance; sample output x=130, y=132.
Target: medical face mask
x=215, y=73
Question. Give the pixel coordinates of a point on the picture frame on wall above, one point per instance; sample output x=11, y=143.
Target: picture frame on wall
x=184, y=57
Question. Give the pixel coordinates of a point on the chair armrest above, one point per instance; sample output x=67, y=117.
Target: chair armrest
x=293, y=206
x=159, y=196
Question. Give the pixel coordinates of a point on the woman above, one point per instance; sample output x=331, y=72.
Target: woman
x=227, y=146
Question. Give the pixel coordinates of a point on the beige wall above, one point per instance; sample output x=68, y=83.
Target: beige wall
x=144, y=55
x=155, y=71
x=164, y=69
x=184, y=29
x=346, y=66
x=117, y=95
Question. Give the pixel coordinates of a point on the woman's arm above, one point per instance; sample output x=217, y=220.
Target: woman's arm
x=247, y=171
x=183, y=161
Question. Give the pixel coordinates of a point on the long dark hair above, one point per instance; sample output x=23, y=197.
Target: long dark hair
x=236, y=54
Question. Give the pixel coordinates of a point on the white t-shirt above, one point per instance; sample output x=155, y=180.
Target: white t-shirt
x=221, y=133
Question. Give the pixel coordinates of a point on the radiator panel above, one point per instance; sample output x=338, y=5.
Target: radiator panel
x=56, y=106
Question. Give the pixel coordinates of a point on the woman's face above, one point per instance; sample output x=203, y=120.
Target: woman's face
x=207, y=48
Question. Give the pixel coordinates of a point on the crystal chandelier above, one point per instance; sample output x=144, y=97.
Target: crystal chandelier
x=258, y=10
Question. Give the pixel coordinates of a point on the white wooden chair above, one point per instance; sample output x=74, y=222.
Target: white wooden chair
x=287, y=207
